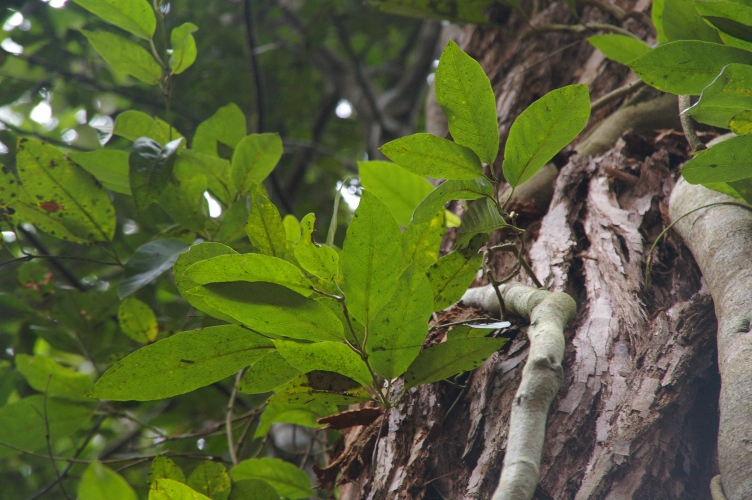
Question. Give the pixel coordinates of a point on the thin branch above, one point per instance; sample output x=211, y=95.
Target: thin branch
x=28, y=257
x=688, y=125
x=47, y=438
x=577, y=29
x=31, y=238
x=616, y=93
x=228, y=417
x=37, y=135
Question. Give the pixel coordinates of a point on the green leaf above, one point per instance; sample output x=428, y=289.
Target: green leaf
x=211, y=479
x=292, y=227
x=686, y=67
x=63, y=382
x=464, y=93
x=264, y=227
x=619, y=48
x=399, y=189
x=656, y=13
x=482, y=217
x=196, y=253
x=183, y=47
x=743, y=188
x=475, y=330
x=731, y=17
x=164, y=468
x=125, y=56
x=181, y=363
x=133, y=124
x=273, y=310
x=66, y=193
x=168, y=489
x=321, y=261
x=327, y=356
x=461, y=11
x=184, y=201
x=680, y=21
x=421, y=242
x=399, y=329
x=303, y=415
x=321, y=388
x=134, y=16
x=729, y=94
x=451, y=190
x=371, y=258
x=267, y=374
x=216, y=170
x=226, y=126
x=147, y=263
x=451, y=275
x=543, y=129
x=450, y=358
x=150, y=170
x=22, y=424
x=101, y=483
x=137, y=320
x=254, y=159
x=289, y=481
x=727, y=161
x=426, y=154
x=249, y=267
x=109, y=166
x=741, y=123
x=253, y=488
x=232, y=228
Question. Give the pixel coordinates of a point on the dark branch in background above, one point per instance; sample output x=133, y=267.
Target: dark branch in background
x=70, y=278
x=34, y=133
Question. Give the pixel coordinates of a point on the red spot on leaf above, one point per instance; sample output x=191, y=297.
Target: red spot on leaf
x=51, y=206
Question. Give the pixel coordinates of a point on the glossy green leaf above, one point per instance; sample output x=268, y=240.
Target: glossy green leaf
x=371, y=258
x=65, y=192
x=680, y=21
x=226, y=126
x=482, y=217
x=321, y=388
x=133, y=124
x=289, y=481
x=267, y=374
x=265, y=228
x=183, y=47
x=399, y=329
x=450, y=358
x=452, y=190
x=134, y=16
x=254, y=159
x=273, y=310
x=686, y=67
x=211, y=479
x=22, y=423
x=196, y=253
x=101, y=483
x=137, y=320
x=464, y=93
x=619, y=48
x=292, y=227
x=319, y=260
x=727, y=161
x=451, y=275
x=543, y=129
x=399, y=189
x=729, y=94
x=181, y=363
x=253, y=488
x=216, y=170
x=169, y=489
x=426, y=154
x=741, y=123
x=150, y=170
x=303, y=415
x=421, y=242
x=327, y=356
x=164, y=468
x=44, y=374
x=125, y=56
x=147, y=263
x=109, y=166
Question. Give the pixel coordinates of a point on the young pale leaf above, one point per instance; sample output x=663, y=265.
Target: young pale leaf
x=183, y=47
x=321, y=388
x=619, y=48
x=181, y=363
x=265, y=228
x=321, y=261
x=327, y=356
x=451, y=275
x=249, y=267
x=450, y=358
x=253, y=488
x=680, y=21
x=211, y=479
x=101, y=483
x=289, y=481
x=292, y=227
x=728, y=95
x=399, y=189
x=371, y=258
x=254, y=158
x=399, y=329
x=273, y=310
x=197, y=253
x=686, y=67
x=133, y=124
x=150, y=170
x=109, y=166
x=741, y=123
x=426, y=154
x=464, y=93
x=267, y=374
x=164, y=468
x=452, y=190
x=216, y=170
x=134, y=16
x=64, y=192
x=125, y=56
x=728, y=161
x=44, y=374
x=543, y=129
x=226, y=126
x=168, y=489
x=303, y=415
x=482, y=217
x=147, y=263
x=137, y=320
x=421, y=242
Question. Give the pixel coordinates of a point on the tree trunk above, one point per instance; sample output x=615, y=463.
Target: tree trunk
x=637, y=413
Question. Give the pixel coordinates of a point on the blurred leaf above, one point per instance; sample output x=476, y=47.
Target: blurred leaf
x=267, y=374
x=727, y=161
x=482, y=217
x=253, y=488
x=619, y=48
x=147, y=263
x=101, y=483
x=321, y=261
x=226, y=126
x=63, y=382
x=321, y=388
x=164, y=468
x=183, y=47
x=292, y=228
x=464, y=11
x=426, y=154
x=109, y=166
x=150, y=170
x=451, y=190
x=421, y=242
x=264, y=227
x=125, y=56
x=137, y=320
x=289, y=481
x=726, y=96
x=133, y=124
x=451, y=275
x=327, y=356
x=254, y=159
x=168, y=489
x=741, y=123
x=303, y=415
x=399, y=189
x=134, y=16
x=211, y=479
x=216, y=170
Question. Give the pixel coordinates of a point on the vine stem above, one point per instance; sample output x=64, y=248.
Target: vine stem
x=228, y=417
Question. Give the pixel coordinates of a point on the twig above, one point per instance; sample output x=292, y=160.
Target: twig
x=34, y=133
x=55, y=263
x=47, y=438
x=578, y=29
x=616, y=93
x=228, y=417
x=688, y=125
x=29, y=257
